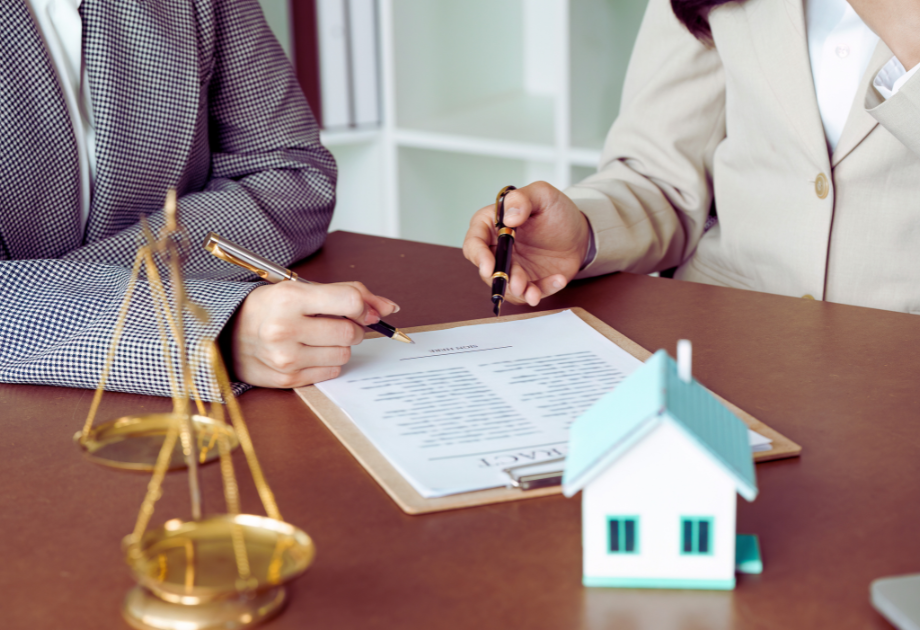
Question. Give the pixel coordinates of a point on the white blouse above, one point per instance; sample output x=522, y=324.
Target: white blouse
x=62, y=28
x=840, y=46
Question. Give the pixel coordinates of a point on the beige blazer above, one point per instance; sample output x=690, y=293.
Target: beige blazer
x=738, y=126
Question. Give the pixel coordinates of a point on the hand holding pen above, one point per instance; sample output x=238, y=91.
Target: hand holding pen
x=294, y=333
x=551, y=238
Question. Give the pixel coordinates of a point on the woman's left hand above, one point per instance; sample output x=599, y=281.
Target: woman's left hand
x=897, y=23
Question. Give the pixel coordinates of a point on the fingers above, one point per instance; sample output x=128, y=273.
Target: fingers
x=323, y=331
x=382, y=305
x=292, y=357
x=347, y=299
x=326, y=299
x=478, y=241
x=262, y=376
x=286, y=362
x=522, y=288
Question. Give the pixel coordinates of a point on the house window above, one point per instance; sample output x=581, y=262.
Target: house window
x=696, y=535
x=623, y=534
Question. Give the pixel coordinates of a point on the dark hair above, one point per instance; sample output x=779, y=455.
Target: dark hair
x=694, y=14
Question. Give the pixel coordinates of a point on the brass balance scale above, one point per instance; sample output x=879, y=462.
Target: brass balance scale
x=222, y=571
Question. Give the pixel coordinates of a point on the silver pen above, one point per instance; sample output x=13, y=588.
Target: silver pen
x=270, y=272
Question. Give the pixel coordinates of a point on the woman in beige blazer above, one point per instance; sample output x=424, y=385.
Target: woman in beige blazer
x=731, y=127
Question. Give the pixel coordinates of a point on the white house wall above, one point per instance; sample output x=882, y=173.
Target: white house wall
x=664, y=477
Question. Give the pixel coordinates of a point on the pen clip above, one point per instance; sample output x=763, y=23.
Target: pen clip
x=230, y=258
x=500, y=206
x=212, y=244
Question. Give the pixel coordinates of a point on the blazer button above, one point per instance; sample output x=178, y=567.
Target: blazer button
x=808, y=296
x=822, y=187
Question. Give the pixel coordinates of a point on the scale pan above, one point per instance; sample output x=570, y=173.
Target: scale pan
x=194, y=562
x=134, y=442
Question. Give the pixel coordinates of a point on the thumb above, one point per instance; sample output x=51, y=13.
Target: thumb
x=518, y=207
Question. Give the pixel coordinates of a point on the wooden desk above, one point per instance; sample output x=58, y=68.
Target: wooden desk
x=842, y=381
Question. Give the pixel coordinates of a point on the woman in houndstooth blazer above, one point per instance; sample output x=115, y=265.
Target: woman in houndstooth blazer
x=196, y=95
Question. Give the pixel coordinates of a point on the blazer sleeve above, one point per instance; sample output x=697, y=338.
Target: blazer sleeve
x=271, y=187
x=900, y=114
x=59, y=332
x=652, y=194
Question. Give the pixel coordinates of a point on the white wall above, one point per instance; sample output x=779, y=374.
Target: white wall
x=278, y=16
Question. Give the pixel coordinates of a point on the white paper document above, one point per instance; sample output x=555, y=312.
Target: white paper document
x=460, y=405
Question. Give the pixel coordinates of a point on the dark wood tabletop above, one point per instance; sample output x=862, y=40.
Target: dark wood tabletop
x=841, y=381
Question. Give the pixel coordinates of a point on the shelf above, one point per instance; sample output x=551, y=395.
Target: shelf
x=513, y=117
x=349, y=136
x=485, y=69
x=476, y=95
x=473, y=146
x=440, y=191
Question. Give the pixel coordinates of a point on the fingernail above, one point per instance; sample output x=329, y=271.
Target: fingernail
x=372, y=316
x=558, y=284
x=513, y=212
x=393, y=304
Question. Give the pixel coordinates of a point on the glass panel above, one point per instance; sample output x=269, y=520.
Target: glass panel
x=688, y=536
x=630, y=534
x=614, y=535
x=704, y=537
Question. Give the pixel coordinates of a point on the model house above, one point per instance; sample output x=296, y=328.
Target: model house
x=659, y=462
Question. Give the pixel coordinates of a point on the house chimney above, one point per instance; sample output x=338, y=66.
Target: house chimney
x=684, y=360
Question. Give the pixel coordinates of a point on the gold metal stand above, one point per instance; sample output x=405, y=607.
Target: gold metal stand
x=223, y=571
x=188, y=576
x=132, y=442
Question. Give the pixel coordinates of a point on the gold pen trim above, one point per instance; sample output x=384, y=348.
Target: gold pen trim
x=500, y=205
x=500, y=274
x=230, y=258
x=506, y=230
x=401, y=336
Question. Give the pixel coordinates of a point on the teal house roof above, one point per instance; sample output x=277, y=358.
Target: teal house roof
x=651, y=395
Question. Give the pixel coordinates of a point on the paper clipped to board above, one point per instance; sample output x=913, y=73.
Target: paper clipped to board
x=451, y=412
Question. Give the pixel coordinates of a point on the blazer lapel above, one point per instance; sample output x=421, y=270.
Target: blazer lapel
x=142, y=63
x=39, y=176
x=778, y=32
x=860, y=122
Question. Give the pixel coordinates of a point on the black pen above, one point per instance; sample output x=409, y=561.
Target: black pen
x=501, y=275
x=269, y=271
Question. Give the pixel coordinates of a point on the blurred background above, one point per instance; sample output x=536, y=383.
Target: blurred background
x=432, y=106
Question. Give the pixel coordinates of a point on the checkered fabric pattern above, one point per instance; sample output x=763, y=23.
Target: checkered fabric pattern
x=191, y=94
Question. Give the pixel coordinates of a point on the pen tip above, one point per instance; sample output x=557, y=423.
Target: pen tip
x=403, y=337
x=497, y=309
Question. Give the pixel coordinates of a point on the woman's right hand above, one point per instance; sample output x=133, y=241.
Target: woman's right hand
x=293, y=334
x=551, y=240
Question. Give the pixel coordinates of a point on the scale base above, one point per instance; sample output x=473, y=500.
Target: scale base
x=145, y=611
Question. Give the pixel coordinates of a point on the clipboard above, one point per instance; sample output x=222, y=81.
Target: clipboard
x=411, y=502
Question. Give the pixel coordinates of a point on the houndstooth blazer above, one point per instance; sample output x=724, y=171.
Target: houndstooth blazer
x=191, y=94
